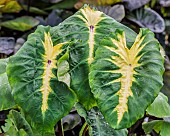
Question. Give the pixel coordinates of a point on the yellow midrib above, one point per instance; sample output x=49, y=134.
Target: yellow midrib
x=91, y=19
x=50, y=62
x=126, y=61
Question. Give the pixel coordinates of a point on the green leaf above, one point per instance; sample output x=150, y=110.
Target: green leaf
x=100, y=127
x=153, y=125
x=89, y=31
x=35, y=10
x=158, y=125
x=32, y=73
x=117, y=12
x=6, y=101
x=123, y=77
x=23, y=23
x=146, y=17
x=160, y=107
x=96, y=121
x=8, y=6
x=16, y=125
x=3, y=64
x=64, y=4
x=134, y=4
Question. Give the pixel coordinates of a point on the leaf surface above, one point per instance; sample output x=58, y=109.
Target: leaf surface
x=123, y=77
x=33, y=77
x=89, y=27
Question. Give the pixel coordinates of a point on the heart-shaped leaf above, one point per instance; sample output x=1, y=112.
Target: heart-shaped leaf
x=32, y=73
x=160, y=107
x=21, y=24
x=123, y=77
x=89, y=27
x=146, y=17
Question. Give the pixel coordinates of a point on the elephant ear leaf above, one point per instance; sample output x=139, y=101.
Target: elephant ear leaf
x=33, y=77
x=125, y=80
x=88, y=26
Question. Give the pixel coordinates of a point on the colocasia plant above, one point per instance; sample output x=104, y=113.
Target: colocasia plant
x=89, y=58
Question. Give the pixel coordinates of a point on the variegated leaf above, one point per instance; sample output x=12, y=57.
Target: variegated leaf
x=126, y=79
x=89, y=27
x=33, y=77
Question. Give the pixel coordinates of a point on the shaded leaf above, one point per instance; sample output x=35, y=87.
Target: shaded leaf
x=160, y=107
x=65, y=4
x=35, y=10
x=123, y=77
x=16, y=124
x=36, y=88
x=53, y=19
x=70, y=121
x=7, y=45
x=23, y=23
x=146, y=17
x=153, y=125
x=117, y=11
x=80, y=3
x=134, y=4
x=96, y=121
x=158, y=125
x=8, y=6
x=165, y=3
x=165, y=11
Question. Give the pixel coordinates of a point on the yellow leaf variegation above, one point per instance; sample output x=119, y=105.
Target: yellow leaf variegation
x=89, y=26
x=32, y=74
x=125, y=79
x=50, y=62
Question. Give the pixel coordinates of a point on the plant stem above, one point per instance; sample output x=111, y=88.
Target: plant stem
x=85, y=130
x=60, y=128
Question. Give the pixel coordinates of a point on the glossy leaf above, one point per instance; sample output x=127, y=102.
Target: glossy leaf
x=32, y=73
x=6, y=99
x=16, y=125
x=160, y=107
x=123, y=77
x=117, y=12
x=134, y=4
x=146, y=17
x=89, y=27
x=21, y=24
x=8, y=6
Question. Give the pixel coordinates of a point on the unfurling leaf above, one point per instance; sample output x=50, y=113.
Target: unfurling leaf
x=123, y=77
